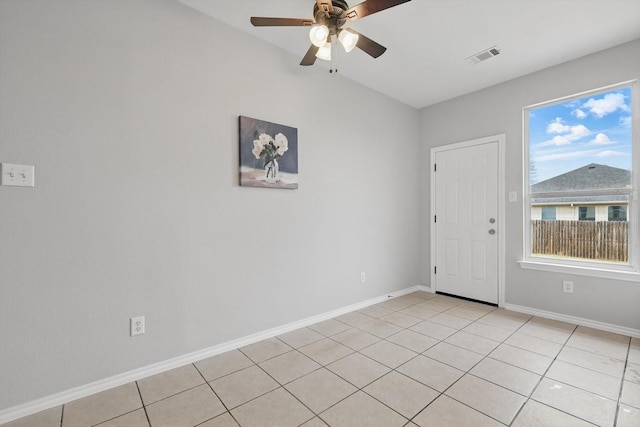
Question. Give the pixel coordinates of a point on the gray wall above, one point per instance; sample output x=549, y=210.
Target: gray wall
x=129, y=111
x=498, y=109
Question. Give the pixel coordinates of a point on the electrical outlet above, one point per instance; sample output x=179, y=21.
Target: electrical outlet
x=137, y=326
x=567, y=286
x=362, y=277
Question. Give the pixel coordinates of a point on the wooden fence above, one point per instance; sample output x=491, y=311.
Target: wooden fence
x=594, y=240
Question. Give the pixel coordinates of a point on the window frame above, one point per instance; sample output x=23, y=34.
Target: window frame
x=616, y=216
x=586, y=209
x=626, y=272
x=555, y=213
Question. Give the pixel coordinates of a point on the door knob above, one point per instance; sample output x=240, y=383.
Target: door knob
x=492, y=231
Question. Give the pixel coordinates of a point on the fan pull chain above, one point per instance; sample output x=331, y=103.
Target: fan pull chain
x=333, y=68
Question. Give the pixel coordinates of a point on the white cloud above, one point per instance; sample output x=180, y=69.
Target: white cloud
x=577, y=155
x=557, y=126
x=565, y=155
x=625, y=121
x=572, y=134
x=579, y=113
x=610, y=103
x=567, y=134
x=560, y=140
x=610, y=153
x=579, y=131
x=601, y=139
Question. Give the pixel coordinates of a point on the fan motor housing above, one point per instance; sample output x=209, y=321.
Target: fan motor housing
x=333, y=21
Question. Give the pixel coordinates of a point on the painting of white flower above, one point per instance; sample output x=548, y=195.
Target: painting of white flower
x=268, y=154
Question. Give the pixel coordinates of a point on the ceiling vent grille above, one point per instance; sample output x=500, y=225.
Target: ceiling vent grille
x=484, y=55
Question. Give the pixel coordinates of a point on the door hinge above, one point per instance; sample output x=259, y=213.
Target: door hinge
x=435, y=218
x=435, y=167
x=435, y=270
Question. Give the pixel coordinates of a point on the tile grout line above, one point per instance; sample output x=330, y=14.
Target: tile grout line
x=283, y=386
x=542, y=376
x=344, y=379
x=478, y=320
x=485, y=356
x=503, y=342
x=321, y=366
x=441, y=340
x=545, y=376
x=280, y=385
x=144, y=407
x=468, y=372
x=624, y=372
x=215, y=394
x=361, y=389
x=442, y=393
x=533, y=390
x=409, y=420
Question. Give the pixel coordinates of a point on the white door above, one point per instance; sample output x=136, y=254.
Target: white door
x=466, y=221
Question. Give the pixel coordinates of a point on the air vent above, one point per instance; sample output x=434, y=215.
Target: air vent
x=484, y=55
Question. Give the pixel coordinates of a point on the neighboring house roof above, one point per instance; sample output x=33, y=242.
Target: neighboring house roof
x=590, y=177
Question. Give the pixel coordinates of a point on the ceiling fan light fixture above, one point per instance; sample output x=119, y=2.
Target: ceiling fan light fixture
x=326, y=27
x=324, y=52
x=318, y=35
x=348, y=39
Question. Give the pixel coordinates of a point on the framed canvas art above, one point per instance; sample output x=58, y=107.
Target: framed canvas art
x=268, y=154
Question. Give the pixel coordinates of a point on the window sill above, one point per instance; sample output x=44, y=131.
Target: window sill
x=548, y=265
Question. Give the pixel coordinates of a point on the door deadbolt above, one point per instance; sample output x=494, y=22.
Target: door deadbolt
x=492, y=220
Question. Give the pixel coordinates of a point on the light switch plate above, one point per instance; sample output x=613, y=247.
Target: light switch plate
x=17, y=175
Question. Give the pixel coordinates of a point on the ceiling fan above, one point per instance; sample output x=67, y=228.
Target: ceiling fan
x=329, y=18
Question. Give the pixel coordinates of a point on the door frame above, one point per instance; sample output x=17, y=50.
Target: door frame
x=500, y=139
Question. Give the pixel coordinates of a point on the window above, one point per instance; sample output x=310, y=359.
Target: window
x=582, y=157
x=617, y=213
x=548, y=213
x=587, y=213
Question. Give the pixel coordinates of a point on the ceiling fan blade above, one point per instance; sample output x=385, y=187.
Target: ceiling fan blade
x=280, y=22
x=325, y=5
x=310, y=56
x=374, y=49
x=369, y=7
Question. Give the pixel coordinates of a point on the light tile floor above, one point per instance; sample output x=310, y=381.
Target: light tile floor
x=416, y=360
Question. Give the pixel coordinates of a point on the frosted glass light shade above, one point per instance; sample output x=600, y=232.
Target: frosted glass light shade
x=348, y=39
x=324, y=52
x=318, y=35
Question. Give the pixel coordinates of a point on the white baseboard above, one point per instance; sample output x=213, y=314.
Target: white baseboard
x=63, y=397
x=426, y=289
x=575, y=320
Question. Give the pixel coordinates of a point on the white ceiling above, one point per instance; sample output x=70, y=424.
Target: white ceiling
x=428, y=40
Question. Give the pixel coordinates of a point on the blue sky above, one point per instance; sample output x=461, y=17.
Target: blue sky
x=572, y=134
